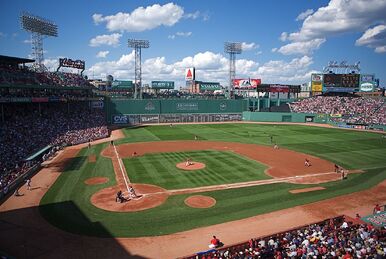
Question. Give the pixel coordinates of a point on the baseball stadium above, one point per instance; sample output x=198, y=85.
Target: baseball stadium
x=251, y=169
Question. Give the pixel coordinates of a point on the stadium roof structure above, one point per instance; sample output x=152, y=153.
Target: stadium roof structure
x=14, y=60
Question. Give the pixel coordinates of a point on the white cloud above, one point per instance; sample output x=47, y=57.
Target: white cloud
x=142, y=18
x=283, y=36
x=249, y=46
x=197, y=14
x=279, y=71
x=111, y=40
x=374, y=38
x=304, y=14
x=102, y=54
x=180, y=34
x=341, y=16
x=184, y=34
x=193, y=16
x=209, y=67
x=274, y=49
x=381, y=49
x=27, y=41
x=338, y=17
x=51, y=63
x=301, y=47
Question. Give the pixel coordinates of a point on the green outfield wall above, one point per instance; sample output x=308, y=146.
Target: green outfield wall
x=285, y=117
x=128, y=111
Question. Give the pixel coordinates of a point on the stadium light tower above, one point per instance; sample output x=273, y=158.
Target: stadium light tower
x=137, y=45
x=232, y=48
x=38, y=27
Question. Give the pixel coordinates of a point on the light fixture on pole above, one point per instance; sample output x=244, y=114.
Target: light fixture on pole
x=137, y=45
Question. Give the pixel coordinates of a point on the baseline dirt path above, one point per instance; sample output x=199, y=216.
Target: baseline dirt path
x=25, y=234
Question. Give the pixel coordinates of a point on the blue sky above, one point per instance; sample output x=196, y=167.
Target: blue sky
x=283, y=41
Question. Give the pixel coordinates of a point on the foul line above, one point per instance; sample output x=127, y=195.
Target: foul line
x=122, y=169
x=239, y=185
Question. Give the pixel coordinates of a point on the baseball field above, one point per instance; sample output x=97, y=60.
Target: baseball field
x=243, y=176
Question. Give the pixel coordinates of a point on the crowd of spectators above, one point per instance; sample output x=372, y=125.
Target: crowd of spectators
x=28, y=129
x=345, y=109
x=329, y=239
x=12, y=75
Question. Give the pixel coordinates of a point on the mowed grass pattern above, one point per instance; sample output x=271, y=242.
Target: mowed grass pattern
x=221, y=168
x=67, y=203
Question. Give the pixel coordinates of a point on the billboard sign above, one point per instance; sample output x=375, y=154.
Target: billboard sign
x=244, y=84
x=122, y=84
x=120, y=119
x=316, y=86
x=366, y=87
x=279, y=89
x=379, y=219
x=67, y=62
x=190, y=74
x=162, y=84
x=209, y=86
x=317, y=78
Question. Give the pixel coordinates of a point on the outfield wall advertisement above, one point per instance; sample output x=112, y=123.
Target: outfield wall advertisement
x=149, y=111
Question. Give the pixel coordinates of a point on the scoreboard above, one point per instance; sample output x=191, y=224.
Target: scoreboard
x=332, y=80
x=341, y=80
x=350, y=80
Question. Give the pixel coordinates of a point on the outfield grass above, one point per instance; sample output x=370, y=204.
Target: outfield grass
x=66, y=204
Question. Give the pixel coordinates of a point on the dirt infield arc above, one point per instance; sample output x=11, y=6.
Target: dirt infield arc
x=283, y=165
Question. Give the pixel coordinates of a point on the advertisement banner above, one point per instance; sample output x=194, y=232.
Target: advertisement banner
x=187, y=106
x=366, y=87
x=209, y=86
x=378, y=220
x=279, y=89
x=316, y=86
x=122, y=84
x=97, y=104
x=67, y=62
x=190, y=74
x=317, y=78
x=120, y=119
x=162, y=84
x=246, y=83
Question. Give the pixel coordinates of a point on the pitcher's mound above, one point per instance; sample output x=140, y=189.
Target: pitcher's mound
x=192, y=166
x=200, y=201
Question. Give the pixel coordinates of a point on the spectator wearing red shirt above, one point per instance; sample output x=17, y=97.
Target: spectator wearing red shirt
x=214, y=242
x=377, y=209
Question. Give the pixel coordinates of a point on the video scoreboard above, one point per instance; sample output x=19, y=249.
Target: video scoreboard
x=341, y=80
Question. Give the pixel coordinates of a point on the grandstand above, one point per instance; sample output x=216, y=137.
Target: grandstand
x=55, y=108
